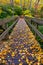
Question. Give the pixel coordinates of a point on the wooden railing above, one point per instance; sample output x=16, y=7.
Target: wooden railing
x=2, y=36
x=34, y=27
x=37, y=21
x=6, y=20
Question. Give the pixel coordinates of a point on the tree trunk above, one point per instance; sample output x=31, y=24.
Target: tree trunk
x=36, y=4
x=24, y=2
x=11, y=2
x=21, y=3
x=30, y=4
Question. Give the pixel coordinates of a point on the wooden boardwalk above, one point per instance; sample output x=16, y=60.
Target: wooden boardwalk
x=22, y=35
x=22, y=47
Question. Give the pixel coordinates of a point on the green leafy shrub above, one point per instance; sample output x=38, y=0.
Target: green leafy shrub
x=6, y=10
x=27, y=13
x=33, y=11
x=41, y=12
x=3, y=14
x=18, y=10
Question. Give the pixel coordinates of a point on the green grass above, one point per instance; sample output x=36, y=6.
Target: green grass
x=9, y=24
x=41, y=29
x=40, y=41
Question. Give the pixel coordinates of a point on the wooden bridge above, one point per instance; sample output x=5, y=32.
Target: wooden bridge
x=21, y=48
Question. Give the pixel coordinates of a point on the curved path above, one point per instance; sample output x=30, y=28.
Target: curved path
x=23, y=48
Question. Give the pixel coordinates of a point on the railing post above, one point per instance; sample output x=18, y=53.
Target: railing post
x=7, y=36
x=31, y=23
x=5, y=26
x=36, y=25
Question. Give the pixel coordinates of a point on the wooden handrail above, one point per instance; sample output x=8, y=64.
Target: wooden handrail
x=35, y=29
x=35, y=20
x=2, y=36
x=6, y=20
